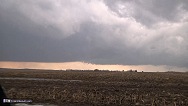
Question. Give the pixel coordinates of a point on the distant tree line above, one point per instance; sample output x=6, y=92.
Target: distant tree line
x=98, y=70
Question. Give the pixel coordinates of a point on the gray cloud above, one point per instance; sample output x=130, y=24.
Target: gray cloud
x=102, y=32
x=150, y=12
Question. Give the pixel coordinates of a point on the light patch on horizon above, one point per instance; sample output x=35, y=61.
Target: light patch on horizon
x=87, y=66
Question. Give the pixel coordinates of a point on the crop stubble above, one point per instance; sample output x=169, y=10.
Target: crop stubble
x=98, y=88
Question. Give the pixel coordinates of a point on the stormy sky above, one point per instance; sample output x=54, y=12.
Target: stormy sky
x=117, y=32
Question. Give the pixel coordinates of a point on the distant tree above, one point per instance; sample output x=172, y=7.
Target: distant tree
x=96, y=70
x=129, y=70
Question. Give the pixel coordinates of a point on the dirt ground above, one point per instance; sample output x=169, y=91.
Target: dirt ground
x=85, y=88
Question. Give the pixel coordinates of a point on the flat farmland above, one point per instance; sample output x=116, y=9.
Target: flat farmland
x=96, y=88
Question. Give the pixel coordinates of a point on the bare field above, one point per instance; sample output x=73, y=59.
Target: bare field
x=73, y=88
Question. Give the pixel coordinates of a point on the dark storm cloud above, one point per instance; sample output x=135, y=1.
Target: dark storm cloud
x=150, y=32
